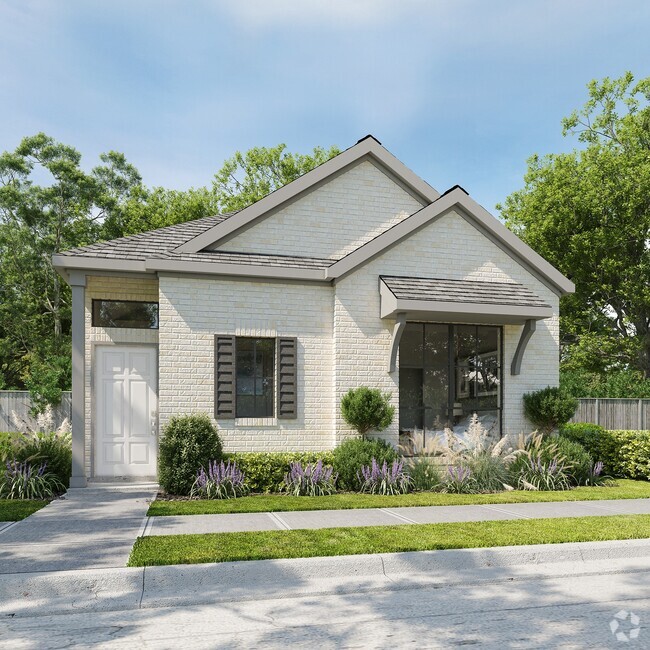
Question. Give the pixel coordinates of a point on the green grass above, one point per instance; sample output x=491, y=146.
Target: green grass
x=623, y=489
x=15, y=510
x=264, y=545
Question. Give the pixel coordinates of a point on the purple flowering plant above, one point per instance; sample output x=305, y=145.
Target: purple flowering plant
x=459, y=480
x=220, y=481
x=385, y=478
x=538, y=474
x=314, y=479
x=28, y=481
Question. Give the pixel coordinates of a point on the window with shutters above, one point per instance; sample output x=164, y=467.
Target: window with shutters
x=255, y=377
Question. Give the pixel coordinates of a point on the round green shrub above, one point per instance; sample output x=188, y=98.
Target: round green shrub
x=350, y=455
x=188, y=443
x=549, y=408
x=367, y=409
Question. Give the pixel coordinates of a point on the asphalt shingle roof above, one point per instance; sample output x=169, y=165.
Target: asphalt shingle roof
x=161, y=243
x=476, y=291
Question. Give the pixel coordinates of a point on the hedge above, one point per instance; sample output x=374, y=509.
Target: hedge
x=625, y=454
x=265, y=470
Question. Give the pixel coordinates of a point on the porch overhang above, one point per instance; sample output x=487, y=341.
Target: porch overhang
x=459, y=301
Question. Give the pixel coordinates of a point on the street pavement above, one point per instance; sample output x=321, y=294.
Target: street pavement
x=437, y=599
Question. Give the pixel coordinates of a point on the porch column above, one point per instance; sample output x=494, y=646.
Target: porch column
x=78, y=286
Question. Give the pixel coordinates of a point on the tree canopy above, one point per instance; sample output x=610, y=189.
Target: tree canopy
x=48, y=203
x=588, y=213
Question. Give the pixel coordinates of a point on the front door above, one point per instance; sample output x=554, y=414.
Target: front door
x=126, y=405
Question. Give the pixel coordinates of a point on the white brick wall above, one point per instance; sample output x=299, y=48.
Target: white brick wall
x=193, y=310
x=342, y=342
x=332, y=220
x=110, y=288
x=449, y=248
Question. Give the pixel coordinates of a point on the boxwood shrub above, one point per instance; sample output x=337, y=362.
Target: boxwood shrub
x=265, y=471
x=625, y=454
x=188, y=443
x=351, y=454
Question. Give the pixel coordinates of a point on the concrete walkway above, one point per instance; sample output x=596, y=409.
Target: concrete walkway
x=90, y=528
x=193, y=524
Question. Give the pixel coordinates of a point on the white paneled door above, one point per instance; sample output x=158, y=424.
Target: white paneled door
x=126, y=417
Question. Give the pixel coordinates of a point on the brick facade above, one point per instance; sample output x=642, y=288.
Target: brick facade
x=342, y=342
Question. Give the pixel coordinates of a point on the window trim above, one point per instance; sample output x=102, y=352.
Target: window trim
x=93, y=319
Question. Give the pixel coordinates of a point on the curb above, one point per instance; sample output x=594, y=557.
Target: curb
x=39, y=594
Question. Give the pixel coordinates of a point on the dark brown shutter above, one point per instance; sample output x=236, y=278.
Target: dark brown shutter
x=224, y=376
x=287, y=389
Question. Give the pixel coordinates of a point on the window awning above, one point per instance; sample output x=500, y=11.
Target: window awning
x=460, y=301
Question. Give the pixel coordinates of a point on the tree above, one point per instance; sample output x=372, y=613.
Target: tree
x=37, y=220
x=588, y=213
x=367, y=409
x=246, y=178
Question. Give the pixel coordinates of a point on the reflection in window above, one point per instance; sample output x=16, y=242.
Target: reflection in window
x=255, y=368
x=430, y=399
x=125, y=313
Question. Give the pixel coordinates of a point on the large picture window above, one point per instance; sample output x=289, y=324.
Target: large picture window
x=125, y=313
x=255, y=371
x=446, y=374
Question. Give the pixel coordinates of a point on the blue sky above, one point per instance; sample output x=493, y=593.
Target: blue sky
x=462, y=91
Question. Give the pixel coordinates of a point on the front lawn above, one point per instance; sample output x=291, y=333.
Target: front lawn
x=264, y=545
x=623, y=489
x=15, y=510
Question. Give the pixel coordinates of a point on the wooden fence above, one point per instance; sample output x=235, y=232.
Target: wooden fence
x=19, y=401
x=614, y=413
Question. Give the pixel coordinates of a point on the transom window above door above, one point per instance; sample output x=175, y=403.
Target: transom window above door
x=136, y=314
x=446, y=374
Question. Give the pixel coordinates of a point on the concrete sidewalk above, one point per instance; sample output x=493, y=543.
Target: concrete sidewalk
x=93, y=527
x=228, y=523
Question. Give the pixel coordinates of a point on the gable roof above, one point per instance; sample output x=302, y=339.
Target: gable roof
x=366, y=148
x=181, y=248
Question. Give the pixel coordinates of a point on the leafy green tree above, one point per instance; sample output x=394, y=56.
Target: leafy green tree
x=246, y=178
x=588, y=213
x=47, y=204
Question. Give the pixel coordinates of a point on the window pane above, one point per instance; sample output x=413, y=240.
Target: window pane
x=465, y=344
x=411, y=346
x=436, y=346
x=255, y=369
x=410, y=399
x=125, y=313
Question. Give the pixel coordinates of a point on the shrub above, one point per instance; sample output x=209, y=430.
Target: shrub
x=425, y=474
x=221, y=481
x=27, y=481
x=312, y=480
x=188, y=443
x=367, y=409
x=549, y=408
x=53, y=449
x=7, y=446
x=489, y=473
x=265, y=471
x=385, y=479
x=458, y=480
x=577, y=461
x=536, y=474
x=624, y=454
x=352, y=454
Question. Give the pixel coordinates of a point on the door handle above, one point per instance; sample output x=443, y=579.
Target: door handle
x=154, y=423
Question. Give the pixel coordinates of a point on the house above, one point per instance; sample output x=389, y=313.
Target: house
x=357, y=273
